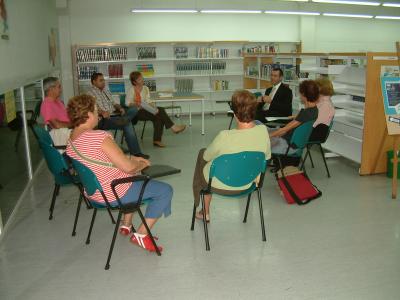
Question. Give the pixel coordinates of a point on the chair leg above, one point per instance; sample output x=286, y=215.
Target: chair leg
x=261, y=215
x=230, y=123
x=113, y=241
x=304, y=159
x=91, y=226
x=144, y=127
x=78, y=208
x=111, y=216
x=149, y=232
x=311, y=160
x=323, y=157
x=53, y=200
x=205, y=223
x=247, y=208
x=193, y=217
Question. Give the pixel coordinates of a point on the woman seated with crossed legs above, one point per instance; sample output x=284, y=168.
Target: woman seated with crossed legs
x=97, y=150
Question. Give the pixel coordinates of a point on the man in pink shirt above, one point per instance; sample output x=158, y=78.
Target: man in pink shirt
x=53, y=110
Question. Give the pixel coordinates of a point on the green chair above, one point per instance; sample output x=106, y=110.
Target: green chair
x=43, y=135
x=236, y=170
x=91, y=185
x=297, y=144
x=59, y=169
x=318, y=136
x=62, y=177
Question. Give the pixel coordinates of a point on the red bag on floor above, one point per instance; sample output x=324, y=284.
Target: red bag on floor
x=296, y=187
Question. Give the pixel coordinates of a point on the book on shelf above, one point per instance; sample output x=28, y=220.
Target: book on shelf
x=115, y=71
x=147, y=70
x=101, y=54
x=116, y=87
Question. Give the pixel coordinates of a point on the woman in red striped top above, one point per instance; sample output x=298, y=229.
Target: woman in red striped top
x=97, y=150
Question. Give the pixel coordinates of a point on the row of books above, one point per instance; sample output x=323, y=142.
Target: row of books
x=251, y=70
x=151, y=84
x=147, y=70
x=208, y=52
x=101, y=54
x=221, y=85
x=194, y=68
x=115, y=71
x=271, y=48
x=85, y=72
x=146, y=52
x=184, y=85
x=181, y=52
x=289, y=71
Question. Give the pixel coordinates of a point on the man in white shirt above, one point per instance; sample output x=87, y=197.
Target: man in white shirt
x=113, y=116
x=277, y=99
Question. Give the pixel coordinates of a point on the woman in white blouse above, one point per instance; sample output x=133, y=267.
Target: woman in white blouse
x=139, y=96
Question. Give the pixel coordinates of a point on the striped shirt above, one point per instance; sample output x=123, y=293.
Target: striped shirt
x=103, y=97
x=89, y=144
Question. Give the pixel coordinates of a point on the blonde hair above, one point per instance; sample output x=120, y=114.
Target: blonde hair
x=325, y=86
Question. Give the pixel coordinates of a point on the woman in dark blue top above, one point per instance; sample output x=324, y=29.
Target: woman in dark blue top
x=309, y=94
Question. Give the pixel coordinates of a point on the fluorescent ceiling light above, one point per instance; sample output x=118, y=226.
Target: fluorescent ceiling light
x=388, y=17
x=281, y=12
x=164, y=11
x=347, y=15
x=229, y=11
x=390, y=4
x=348, y=2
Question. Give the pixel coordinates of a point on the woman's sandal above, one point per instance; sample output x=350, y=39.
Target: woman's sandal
x=158, y=144
x=199, y=216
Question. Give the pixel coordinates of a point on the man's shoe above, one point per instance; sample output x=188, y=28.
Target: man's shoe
x=142, y=155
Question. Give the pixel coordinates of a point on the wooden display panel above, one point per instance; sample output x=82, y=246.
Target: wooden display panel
x=249, y=83
x=264, y=84
x=376, y=141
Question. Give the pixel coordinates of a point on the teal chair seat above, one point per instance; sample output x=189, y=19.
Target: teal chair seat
x=236, y=170
x=91, y=185
x=298, y=142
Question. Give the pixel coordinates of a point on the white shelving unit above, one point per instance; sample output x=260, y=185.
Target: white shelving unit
x=346, y=137
x=165, y=66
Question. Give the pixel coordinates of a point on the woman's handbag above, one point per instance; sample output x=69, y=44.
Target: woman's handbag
x=296, y=187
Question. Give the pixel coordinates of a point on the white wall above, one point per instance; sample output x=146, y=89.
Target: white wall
x=346, y=34
x=26, y=54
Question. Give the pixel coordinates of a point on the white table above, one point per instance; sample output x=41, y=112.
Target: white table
x=176, y=97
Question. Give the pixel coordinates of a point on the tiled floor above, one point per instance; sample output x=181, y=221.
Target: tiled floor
x=345, y=245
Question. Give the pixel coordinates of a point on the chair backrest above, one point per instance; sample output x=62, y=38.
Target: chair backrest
x=238, y=169
x=88, y=179
x=319, y=134
x=55, y=162
x=36, y=111
x=42, y=135
x=301, y=135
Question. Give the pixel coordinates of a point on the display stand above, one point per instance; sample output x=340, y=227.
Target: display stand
x=390, y=82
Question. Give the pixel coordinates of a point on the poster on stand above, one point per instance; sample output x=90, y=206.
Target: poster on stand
x=391, y=102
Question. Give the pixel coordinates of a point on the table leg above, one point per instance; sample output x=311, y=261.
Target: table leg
x=190, y=115
x=202, y=116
